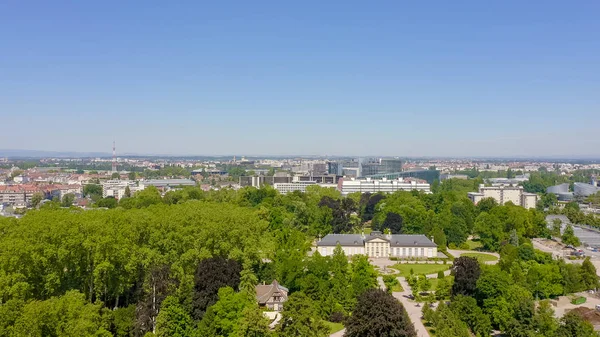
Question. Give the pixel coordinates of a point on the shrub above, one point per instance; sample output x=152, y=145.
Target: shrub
x=452, y=246
x=336, y=317
x=464, y=246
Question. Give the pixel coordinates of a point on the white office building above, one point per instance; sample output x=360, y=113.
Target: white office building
x=117, y=188
x=382, y=185
x=505, y=193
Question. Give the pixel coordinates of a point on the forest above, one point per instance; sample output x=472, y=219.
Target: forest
x=186, y=264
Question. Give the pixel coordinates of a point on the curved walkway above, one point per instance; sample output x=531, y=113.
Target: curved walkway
x=458, y=253
x=414, y=311
x=339, y=333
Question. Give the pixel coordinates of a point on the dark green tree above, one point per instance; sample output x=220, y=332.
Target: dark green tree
x=378, y=314
x=211, y=275
x=393, y=222
x=466, y=272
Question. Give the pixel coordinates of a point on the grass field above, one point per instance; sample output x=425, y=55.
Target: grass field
x=334, y=327
x=474, y=245
x=434, y=282
x=397, y=288
x=481, y=257
x=420, y=269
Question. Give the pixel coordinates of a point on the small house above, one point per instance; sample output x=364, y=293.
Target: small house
x=271, y=295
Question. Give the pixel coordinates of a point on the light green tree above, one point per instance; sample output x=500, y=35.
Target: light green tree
x=36, y=198
x=67, y=200
x=173, y=320
x=569, y=238
x=300, y=318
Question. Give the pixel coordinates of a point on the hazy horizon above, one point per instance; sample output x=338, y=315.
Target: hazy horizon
x=468, y=79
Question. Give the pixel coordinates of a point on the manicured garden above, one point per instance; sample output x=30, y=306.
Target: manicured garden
x=334, y=327
x=474, y=245
x=420, y=268
x=481, y=256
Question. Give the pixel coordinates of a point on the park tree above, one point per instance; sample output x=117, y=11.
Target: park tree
x=393, y=222
x=108, y=202
x=364, y=276
x=67, y=200
x=222, y=318
x=544, y=319
x=211, y=275
x=127, y=193
x=173, y=320
x=424, y=283
x=556, y=225
x=573, y=325
x=569, y=238
x=486, y=204
x=469, y=312
x=69, y=315
x=252, y=323
x=300, y=318
x=36, y=199
x=490, y=230
x=115, y=175
x=589, y=277
x=158, y=285
x=131, y=175
x=447, y=323
x=439, y=237
x=369, y=205
x=90, y=190
x=378, y=314
x=547, y=200
x=340, y=278
x=466, y=272
x=571, y=277
x=248, y=282
x=443, y=289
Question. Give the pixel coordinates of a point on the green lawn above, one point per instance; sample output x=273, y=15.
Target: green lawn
x=334, y=327
x=481, y=257
x=397, y=288
x=420, y=269
x=434, y=282
x=474, y=245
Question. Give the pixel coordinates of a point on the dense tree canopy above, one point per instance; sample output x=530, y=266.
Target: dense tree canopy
x=378, y=314
x=186, y=262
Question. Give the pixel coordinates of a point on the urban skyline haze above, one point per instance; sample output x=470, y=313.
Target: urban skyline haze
x=506, y=79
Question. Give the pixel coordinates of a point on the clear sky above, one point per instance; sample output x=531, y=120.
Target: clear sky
x=402, y=78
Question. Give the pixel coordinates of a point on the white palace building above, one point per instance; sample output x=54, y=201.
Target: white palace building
x=377, y=244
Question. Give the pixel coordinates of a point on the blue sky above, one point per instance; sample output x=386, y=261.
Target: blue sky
x=438, y=78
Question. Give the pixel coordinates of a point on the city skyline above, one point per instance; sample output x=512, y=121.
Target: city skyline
x=452, y=80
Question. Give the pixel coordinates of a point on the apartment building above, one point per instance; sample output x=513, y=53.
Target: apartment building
x=505, y=193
